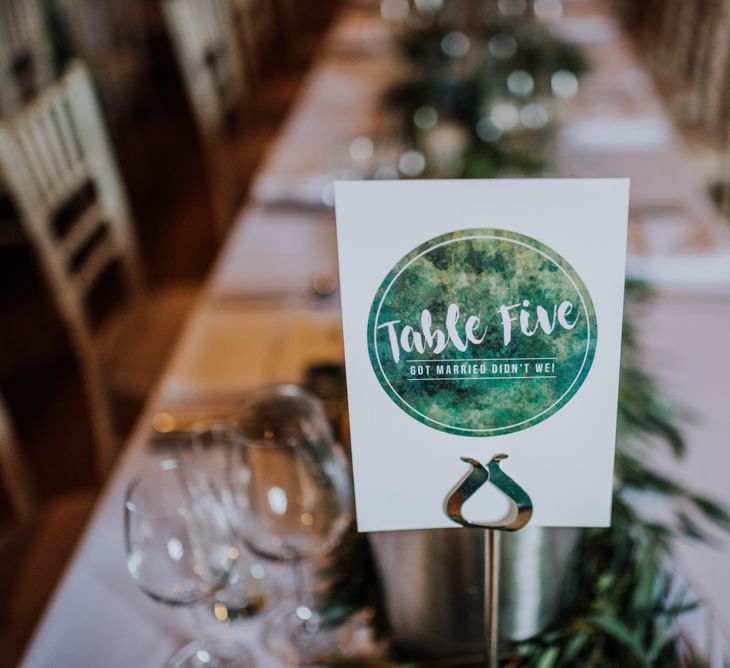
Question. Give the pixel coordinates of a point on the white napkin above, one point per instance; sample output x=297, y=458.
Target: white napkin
x=275, y=253
x=695, y=272
x=588, y=30
x=614, y=134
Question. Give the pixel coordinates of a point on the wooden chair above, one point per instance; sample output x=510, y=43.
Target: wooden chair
x=712, y=84
x=208, y=53
x=257, y=23
x=207, y=48
x=36, y=539
x=675, y=27
x=265, y=28
x=63, y=177
x=246, y=36
x=25, y=56
x=111, y=38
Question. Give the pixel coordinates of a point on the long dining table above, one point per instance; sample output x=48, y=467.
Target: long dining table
x=260, y=319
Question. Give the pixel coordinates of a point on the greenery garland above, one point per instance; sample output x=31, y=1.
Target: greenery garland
x=464, y=55
x=481, y=99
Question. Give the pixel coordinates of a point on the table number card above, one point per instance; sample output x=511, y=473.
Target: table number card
x=482, y=317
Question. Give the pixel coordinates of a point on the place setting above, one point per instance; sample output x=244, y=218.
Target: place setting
x=266, y=488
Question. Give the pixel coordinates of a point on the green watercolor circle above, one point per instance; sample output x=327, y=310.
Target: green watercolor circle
x=461, y=391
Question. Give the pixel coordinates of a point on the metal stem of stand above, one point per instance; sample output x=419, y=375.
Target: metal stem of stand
x=517, y=518
x=491, y=595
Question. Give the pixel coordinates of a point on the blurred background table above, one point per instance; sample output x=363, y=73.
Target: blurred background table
x=262, y=317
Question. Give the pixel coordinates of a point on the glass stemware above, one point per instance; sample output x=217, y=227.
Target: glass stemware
x=292, y=483
x=181, y=551
x=249, y=589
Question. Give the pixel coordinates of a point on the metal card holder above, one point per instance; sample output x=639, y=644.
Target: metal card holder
x=518, y=516
x=521, y=504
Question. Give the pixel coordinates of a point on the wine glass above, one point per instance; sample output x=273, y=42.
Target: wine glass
x=250, y=588
x=292, y=483
x=181, y=550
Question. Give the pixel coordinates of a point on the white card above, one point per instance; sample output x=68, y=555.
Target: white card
x=482, y=317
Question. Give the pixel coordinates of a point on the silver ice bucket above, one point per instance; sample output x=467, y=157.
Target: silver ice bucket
x=434, y=585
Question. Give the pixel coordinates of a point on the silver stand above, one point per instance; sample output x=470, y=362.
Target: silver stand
x=519, y=515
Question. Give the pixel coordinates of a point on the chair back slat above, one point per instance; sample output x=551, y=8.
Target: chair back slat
x=67, y=134
x=39, y=152
x=25, y=56
x=204, y=38
x=48, y=137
